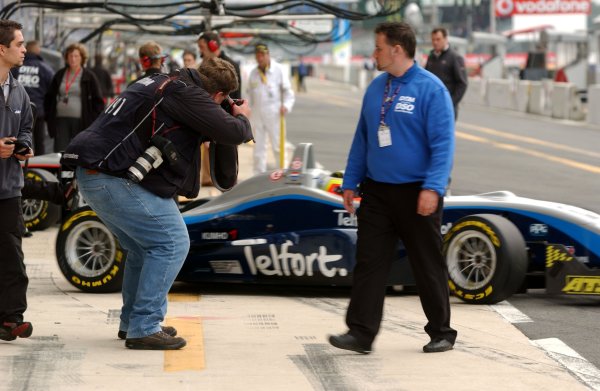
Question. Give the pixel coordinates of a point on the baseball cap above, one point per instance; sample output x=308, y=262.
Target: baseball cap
x=261, y=47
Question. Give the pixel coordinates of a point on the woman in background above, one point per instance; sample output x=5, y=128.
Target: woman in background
x=74, y=98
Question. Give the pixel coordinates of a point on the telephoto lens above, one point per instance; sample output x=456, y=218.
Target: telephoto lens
x=151, y=158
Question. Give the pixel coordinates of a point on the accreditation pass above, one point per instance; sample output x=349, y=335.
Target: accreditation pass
x=384, y=136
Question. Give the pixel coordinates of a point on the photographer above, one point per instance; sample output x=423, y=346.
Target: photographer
x=173, y=115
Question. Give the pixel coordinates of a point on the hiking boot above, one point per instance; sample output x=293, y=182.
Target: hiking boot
x=11, y=330
x=156, y=341
x=172, y=331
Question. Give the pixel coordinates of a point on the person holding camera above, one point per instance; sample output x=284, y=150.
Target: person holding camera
x=16, y=120
x=142, y=151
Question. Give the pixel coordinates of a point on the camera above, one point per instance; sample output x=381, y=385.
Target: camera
x=20, y=147
x=152, y=158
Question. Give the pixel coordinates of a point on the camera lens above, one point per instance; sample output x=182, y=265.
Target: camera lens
x=149, y=159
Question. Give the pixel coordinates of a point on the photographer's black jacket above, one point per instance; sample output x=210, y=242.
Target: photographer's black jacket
x=187, y=115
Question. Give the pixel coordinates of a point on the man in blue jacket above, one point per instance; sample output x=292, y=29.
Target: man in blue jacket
x=35, y=75
x=401, y=156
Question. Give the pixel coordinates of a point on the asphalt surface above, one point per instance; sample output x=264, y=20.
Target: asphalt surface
x=255, y=338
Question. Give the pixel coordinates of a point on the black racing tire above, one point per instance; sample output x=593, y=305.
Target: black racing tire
x=88, y=254
x=486, y=257
x=40, y=214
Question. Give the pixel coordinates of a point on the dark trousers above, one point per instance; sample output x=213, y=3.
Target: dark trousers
x=388, y=213
x=66, y=129
x=39, y=136
x=13, y=278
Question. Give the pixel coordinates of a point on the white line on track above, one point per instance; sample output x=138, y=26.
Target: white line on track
x=510, y=313
x=570, y=359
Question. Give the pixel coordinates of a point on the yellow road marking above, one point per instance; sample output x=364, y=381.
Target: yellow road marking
x=191, y=357
x=182, y=297
x=529, y=140
x=515, y=148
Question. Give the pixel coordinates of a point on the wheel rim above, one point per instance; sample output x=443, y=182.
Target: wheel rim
x=471, y=259
x=32, y=208
x=90, y=249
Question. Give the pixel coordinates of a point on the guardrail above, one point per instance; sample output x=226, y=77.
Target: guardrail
x=546, y=97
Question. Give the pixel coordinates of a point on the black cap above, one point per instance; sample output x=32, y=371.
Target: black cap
x=261, y=47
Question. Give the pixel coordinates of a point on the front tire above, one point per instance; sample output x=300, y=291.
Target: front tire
x=486, y=257
x=89, y=256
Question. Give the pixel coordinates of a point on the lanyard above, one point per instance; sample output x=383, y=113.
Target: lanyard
x=263, y=75
x=387, y=100
x=68, y=83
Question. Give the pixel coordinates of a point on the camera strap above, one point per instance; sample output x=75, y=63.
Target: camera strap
x=158, y=98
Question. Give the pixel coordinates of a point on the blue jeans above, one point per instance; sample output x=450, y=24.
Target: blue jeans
x=152, y=231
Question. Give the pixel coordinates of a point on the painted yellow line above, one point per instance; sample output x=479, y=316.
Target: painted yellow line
x=542, y=155
x=191, y=357
x=182, y=297
x=530, y=140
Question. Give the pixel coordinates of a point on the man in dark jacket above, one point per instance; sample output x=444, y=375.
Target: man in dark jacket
x=15, y=145
x=35, y=75
x=122, y=177
x=104, y=78
x=448, y=66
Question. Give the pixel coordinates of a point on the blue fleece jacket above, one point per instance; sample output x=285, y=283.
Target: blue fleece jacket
x=421, y=121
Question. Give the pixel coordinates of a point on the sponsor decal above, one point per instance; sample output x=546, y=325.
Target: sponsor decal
x=505, y=8
x=556, y=254
x=538, y=229
x=582, y=285
x=346, y=219
x=219, y=235
x=276, y=175
x=405, y=105
x=484, y=227
x=446, y=228
x=287, y=263
x=469, y=296
x=226, y=267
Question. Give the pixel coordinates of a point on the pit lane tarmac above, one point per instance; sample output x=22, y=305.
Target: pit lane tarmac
x=258, y=338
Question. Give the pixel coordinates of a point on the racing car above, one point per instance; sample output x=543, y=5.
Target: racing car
x=290, y=227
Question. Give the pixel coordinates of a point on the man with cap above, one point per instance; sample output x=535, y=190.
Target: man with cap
x=270, y=95
x=209, y=45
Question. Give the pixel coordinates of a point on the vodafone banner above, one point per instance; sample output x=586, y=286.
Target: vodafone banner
x=505, y=8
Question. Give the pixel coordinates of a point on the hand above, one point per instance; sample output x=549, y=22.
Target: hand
x=6, y=150
x=26, y=156
x=243, y=108
x=283, y=110
x=349, y=201
x=428, y=202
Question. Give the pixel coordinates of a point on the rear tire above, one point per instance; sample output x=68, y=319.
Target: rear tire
x=486, y=257
x=89, y=255
x=40, y=214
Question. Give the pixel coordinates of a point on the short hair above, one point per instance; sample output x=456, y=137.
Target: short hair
x=440, y=30
x=218, y=76
x=82, y=50
x=7, y=31
x=210, y=36
x=399, y=33
x=261, y=48
x=32, y=46
x=186, y=52
x=151, y=50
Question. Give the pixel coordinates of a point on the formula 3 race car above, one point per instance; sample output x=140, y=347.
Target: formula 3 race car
x=289, y=227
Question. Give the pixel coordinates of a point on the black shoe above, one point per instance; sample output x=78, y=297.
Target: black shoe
x=172, y=331
x=156, y=341
x=438, y=345
x=9, y=331
x=348, y=342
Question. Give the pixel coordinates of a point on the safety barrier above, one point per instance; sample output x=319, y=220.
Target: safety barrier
x=547, y=98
